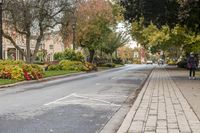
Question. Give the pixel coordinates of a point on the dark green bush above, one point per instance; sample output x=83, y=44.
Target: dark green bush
x=59, y=56
x=182, y=64
x=111, y=65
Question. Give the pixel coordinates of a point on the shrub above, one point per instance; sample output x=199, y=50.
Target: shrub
x=17, y=73
x=171, y=62
x=111, y=65
x=182, y=64
x=54, y=67
x=137, y=62
x=69, y=54
x=68, y=65
x=11, y=62
x=32, y=71
x=12, y=72
x=18, y=70
x=118, y=61
x=90, y=67
x=58, y=56
x=72, y=65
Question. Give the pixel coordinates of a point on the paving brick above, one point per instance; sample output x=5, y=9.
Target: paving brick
x=163, y=108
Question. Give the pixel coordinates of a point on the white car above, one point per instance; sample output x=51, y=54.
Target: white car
x=149, y=62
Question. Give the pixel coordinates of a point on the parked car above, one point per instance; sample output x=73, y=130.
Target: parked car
x=149, y=62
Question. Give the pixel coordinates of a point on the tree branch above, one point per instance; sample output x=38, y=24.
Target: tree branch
x=13, y=42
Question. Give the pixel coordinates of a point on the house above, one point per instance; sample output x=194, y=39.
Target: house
x=51, y=43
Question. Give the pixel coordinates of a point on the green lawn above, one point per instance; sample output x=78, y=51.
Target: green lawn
x=7, y=81
x=47, y=74
x=58, y=73
x=119, y=65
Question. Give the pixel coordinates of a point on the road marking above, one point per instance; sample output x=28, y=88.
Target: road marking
x=58, y=100
x=113, y=78
x=91, y=104
x=94, y=99
x=76, y=102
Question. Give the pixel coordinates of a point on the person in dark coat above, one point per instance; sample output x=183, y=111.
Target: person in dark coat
x=192, y=65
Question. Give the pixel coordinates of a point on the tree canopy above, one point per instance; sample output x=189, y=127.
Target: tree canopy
x=164, y=12
x=30, y=20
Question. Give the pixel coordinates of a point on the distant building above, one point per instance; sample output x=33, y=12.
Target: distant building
x=51, y=43
x=139, y=55
x=142, y=55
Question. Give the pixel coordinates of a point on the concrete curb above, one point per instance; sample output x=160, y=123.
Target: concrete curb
x=128, y=119
x=41, y=80
x=53, y=78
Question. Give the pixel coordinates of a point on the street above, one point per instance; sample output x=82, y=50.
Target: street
x=77, y=104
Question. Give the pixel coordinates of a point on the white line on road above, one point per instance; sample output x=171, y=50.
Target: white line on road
x=94, y=99
x=59, y=101
x=94, y=104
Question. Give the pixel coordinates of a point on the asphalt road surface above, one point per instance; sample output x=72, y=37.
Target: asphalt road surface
x=77, y=104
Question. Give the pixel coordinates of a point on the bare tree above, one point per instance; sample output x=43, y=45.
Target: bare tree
x=32, y=19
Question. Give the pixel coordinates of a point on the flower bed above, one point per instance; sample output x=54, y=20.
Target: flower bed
x=19, y=70
x=68, y=65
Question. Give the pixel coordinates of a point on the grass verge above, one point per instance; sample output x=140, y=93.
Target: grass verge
x=7, y=81
x=47, y=74
x=58, y=73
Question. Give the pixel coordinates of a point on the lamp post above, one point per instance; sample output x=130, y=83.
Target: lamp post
x=74, y=35
x=1, y=26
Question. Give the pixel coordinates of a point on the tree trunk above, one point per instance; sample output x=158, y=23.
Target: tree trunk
x=92, y=52
x=116, y=54
x=38, y=43
x=111, y=59
x=28, y=50
x=14, y=43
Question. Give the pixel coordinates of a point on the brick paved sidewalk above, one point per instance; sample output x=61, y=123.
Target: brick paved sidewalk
x=160, y=108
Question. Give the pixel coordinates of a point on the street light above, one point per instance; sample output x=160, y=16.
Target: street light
x=1, y=29
x=74, y=30
x=74, y=35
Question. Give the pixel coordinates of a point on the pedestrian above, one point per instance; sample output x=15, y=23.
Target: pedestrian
x=192, y=65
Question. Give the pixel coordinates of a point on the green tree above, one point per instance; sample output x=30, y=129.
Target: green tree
x=158, y=12
x=189, y=13
x=113, y=42
x=95, y=20
x=30, y=19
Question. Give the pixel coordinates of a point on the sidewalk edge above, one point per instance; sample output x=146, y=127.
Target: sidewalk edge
x=128, y=119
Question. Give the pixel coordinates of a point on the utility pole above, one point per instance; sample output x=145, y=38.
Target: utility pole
x=1, y=29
